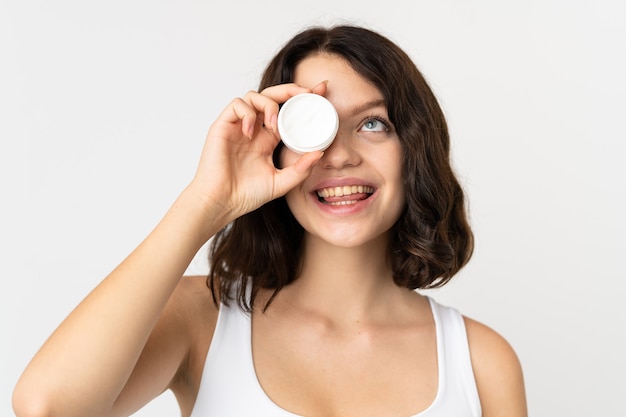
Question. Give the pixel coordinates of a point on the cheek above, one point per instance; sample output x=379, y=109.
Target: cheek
x=287, y=157
x=295, y=204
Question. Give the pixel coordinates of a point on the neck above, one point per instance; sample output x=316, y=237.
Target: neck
x=352, y=283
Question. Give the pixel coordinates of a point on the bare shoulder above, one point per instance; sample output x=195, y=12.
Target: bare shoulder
x=196, y=312
x=190, y=307
x=193, y=309
x=498, y=372
x=193, y=301
x=174, y=353
x=193, y=297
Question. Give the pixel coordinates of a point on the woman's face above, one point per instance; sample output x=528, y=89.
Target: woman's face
x=355, y=192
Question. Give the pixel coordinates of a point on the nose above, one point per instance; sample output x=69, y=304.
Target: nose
x=341, y=153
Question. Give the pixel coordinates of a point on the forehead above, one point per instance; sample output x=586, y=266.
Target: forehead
x=344, y=83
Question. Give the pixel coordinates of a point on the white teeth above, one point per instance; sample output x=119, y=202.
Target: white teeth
x=341, y=203
x=345, y=190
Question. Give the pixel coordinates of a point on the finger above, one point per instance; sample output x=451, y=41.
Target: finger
x=266, y=106
x=240, y=111
x=320, y=88
x=290, y=176
x=283, y=92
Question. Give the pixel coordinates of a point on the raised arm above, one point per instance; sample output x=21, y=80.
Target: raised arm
x=83, y=368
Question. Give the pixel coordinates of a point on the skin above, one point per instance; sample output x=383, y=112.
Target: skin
x=144, y=329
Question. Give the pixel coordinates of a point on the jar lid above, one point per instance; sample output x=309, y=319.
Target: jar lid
x=307, y=122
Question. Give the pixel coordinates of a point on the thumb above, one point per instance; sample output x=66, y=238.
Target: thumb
x=290, y=176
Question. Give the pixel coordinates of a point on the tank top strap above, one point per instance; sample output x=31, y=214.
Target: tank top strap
x=457, y=394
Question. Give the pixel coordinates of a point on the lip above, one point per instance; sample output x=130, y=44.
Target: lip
x=343, y=209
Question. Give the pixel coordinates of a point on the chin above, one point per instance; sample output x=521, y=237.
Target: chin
x=351, y=240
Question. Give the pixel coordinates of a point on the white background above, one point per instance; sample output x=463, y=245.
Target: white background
x=104, y=107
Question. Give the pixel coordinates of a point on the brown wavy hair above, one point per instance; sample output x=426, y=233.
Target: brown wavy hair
x=431, y=240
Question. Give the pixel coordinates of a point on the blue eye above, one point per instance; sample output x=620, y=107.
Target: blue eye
x=374, y=125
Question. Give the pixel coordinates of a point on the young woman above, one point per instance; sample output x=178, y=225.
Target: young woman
x=311, y=308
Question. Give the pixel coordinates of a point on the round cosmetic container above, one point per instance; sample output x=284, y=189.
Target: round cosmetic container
x=307, y=122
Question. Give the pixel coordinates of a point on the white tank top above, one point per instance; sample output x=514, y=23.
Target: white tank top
x=229, y=386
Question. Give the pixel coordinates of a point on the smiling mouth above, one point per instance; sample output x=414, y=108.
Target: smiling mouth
x=343, y=196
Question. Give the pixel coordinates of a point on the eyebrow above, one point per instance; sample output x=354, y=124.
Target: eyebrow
x=369, y=105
